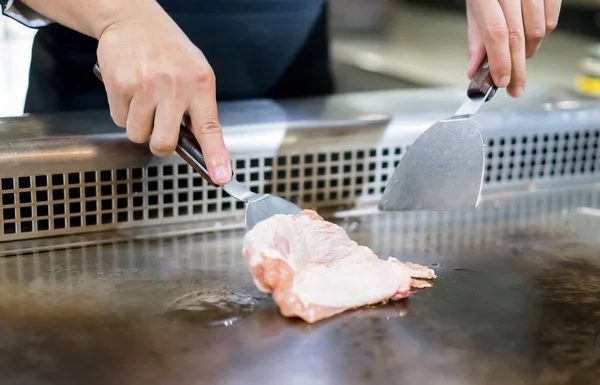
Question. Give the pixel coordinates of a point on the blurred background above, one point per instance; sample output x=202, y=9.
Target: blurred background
x=386, y=44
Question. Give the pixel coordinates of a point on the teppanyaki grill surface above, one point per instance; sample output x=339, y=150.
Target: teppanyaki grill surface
x=515, y=303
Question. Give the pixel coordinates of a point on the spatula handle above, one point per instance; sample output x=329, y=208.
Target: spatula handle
x=482, y=82
x=187, y=146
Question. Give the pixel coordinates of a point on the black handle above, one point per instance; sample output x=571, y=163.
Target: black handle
x=482, y=82
x=187, y=146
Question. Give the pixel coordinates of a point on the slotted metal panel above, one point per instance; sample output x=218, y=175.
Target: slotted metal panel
x=335, y=152
x=568, y=152
x=103, y=198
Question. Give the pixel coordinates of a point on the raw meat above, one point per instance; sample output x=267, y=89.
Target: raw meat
x=314, y=270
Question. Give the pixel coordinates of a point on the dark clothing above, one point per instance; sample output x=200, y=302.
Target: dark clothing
x=257, y=49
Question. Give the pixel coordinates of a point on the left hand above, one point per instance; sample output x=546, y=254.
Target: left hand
x=509, y=32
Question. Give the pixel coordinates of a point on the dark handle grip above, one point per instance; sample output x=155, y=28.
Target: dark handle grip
x=482, y=82
x=187, y=146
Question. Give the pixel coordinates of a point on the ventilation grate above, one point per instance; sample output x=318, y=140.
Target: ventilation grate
x=70, y=203
x=76, y=202
x=542, y=156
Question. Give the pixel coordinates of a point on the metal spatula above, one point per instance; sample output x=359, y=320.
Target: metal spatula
x=258, y=206
x=443, y=169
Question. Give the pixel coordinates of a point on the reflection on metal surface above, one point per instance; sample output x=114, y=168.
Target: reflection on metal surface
x=80, y=153
x=568, y=104
x=588, y=211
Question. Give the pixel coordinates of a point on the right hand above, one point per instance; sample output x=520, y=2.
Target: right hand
x=154, y=75
x=509, y=32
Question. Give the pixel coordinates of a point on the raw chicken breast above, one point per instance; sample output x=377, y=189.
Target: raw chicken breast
x=314, y=270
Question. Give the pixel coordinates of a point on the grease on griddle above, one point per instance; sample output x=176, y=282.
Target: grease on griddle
x=465, y=269
x=206, y=308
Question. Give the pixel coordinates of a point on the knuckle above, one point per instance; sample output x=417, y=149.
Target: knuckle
x=551, y=25
x=136, y=136
x=535, y=33
x=498, y=31
x=123, y=84
x=119, y=120
x=210, y=127
x=204, y=75
x=516, y=37
x=162, y=146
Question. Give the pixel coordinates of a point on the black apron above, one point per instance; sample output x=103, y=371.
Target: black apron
x=257, y=49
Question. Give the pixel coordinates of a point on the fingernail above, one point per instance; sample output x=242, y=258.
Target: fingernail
x=504, y=81
x=222, y=174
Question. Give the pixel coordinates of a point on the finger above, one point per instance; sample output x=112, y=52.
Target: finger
x=119, y=90
x=516, y=38
x=475, y=59
x=209, y=133
x=118, y=103
x=552, y=9
x=475, y=43
x=165, y=133
x=140, y=119
x=534, y=20
x=495, y=36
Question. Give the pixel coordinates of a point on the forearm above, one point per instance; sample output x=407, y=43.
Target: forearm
x=90, y=17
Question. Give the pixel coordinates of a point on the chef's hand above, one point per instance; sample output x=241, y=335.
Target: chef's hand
x=509, y=31
x=153, y=75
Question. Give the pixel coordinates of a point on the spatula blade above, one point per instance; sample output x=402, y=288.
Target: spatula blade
x=441, y=171
x=265, y=207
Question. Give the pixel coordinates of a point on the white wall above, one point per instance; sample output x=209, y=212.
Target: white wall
x=15, y=53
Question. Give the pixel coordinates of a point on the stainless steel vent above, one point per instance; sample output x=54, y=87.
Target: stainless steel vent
x=545, y=155
x=335, y=152
x=92, y=200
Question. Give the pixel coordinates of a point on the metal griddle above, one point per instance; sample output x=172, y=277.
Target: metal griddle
x=517, y=301
x=102, y=245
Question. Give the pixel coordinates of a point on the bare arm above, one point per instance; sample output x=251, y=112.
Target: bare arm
x=90, y=17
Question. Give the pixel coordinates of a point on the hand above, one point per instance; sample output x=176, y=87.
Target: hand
x=153, y=76
x=509, y=31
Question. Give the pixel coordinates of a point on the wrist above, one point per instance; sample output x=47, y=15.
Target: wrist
x=122, y=12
